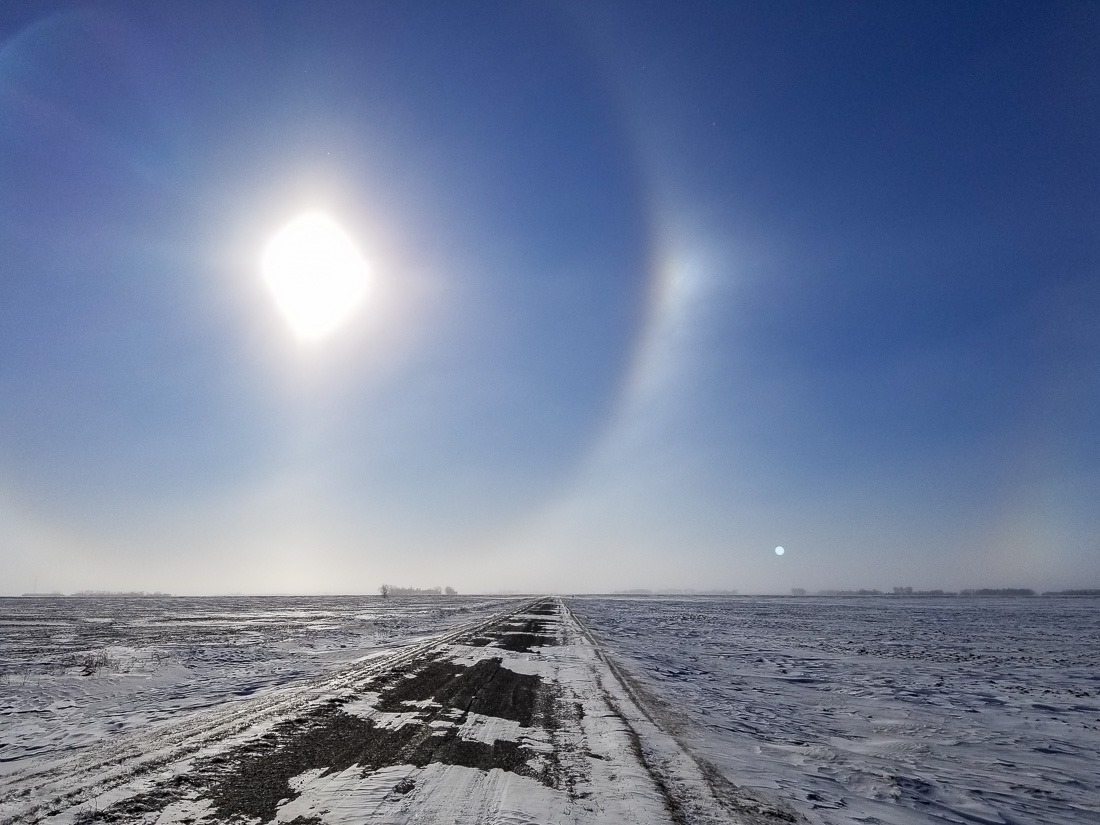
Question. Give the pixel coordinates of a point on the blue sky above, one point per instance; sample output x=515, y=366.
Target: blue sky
x=655, y=288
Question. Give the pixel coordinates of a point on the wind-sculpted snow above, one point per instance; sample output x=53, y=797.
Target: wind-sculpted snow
x=891, y=710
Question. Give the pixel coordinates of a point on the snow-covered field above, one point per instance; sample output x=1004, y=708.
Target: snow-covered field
x=880, y=710
x=76, y=670
x=514, y=718
x=885, y=710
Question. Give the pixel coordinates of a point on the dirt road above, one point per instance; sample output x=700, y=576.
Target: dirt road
x=516, y=720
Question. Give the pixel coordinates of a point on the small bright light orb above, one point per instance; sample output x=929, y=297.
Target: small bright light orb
x=779, y=551
x=316, y=274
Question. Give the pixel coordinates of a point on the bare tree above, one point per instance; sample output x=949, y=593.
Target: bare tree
x=450, y=591
x=385, y=591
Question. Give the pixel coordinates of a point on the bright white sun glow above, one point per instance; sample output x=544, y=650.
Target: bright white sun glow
x=316, y=274
x=779, y=551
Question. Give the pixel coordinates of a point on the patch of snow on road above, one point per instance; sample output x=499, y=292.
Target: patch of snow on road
x=490, y=729
x=184, y=812
x=348, y=797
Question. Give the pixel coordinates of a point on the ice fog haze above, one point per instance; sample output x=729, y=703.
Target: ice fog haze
x=583, y=299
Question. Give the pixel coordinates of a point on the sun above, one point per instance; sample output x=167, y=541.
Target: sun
x=316, y=275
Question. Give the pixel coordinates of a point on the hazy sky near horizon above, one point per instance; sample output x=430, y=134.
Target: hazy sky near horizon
x=654, y=287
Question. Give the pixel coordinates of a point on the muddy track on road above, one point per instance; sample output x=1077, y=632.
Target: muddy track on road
x=432, y=695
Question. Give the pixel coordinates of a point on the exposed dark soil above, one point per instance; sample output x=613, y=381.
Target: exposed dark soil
x=522, y=642
x=259, y=781
x=485, y=688
x=522, y=633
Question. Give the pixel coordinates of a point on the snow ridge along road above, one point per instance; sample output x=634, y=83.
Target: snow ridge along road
x=516, y=719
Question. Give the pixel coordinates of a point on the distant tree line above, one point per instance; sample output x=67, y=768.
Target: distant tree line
x=387, y=590
x=981, y=591
x=675, y=591
x=999, y=591
x=115, y=594
x=860, y=592
x=1087, y=592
